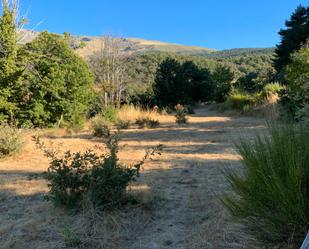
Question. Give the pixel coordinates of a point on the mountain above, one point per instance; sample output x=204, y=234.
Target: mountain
x=137, y=46
x=132, y=46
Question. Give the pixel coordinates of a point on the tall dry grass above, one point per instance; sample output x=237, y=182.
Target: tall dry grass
x=132, y=113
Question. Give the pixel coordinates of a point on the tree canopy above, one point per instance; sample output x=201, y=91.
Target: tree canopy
x=292, y=37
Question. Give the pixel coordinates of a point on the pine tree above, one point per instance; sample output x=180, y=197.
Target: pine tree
x=293, y=37
x=165, y=86
x=8, y=58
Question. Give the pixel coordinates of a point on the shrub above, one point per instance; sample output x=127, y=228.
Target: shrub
x=87, y=176
x=272, y=194
x=296, y=96
x=110, y=114
x=100, y=127
x=147, y=122
x=181, y=113
x=11, y=140
x=242, y=101
x=122, y=124
x=271, y=90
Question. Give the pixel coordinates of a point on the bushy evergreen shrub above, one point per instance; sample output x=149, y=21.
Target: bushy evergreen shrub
x=271, y=195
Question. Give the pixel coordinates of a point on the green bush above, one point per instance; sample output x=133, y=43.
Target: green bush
x=100, y=127
x=76, y=177
x=110, y=114
x=181, y=113
x=296, y=96
x=242, y=101
x=147, y=122
x=272, y=196
x=11, y=140
x=271, y=89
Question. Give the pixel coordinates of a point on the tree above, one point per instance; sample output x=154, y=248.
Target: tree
x=8, y=58
x=296, y=98
x=292, y=38
x=57, y=82
x=185, y=83
x=223, y=78
x=165, y=85
x=109, y=70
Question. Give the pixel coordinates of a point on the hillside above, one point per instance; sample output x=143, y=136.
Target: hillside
x=133, y=46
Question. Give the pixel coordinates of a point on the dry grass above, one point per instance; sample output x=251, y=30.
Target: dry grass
x=132, y=113
x=178, y=193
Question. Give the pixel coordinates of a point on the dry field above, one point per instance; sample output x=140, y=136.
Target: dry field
x=179, y=191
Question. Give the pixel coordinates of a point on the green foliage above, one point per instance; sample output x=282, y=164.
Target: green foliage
x=292, y=38
x=296, y=96
x=100, y=127
x=11, y=140
x=272, y=89
x=223, y=78
x=9, y=74
x=271, y=196
x=110, y=114
x=181, y=113
x=99, y=178
x=243, y=101
x=181, y=83
x=147, y=122
x=57, y=84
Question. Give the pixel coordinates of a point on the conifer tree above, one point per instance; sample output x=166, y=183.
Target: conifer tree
x=293, y=37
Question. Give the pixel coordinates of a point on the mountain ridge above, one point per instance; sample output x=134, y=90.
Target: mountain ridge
x=132, y=45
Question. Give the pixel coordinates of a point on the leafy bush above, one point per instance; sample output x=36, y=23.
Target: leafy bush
x=123, y=124
x=147, y=122
x=100, y=127
x=181, y=113
x=296, y=96
x=98, y=178
x=272, y=194
x=242, y=101
x=11, y=140
x=110, y=114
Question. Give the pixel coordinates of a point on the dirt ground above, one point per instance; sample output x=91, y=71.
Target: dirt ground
x=179, y=191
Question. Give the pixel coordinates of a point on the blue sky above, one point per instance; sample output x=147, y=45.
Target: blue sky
x=218, y=24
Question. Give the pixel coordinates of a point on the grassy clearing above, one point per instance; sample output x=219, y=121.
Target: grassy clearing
x=175, y=193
